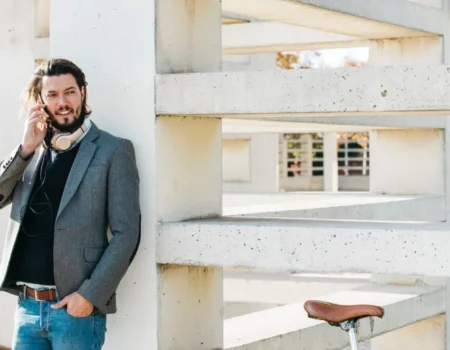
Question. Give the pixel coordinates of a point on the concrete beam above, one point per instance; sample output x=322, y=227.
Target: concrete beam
x=233, y=19
x=365, y=206
x=308, y=245
x=324, y=124
x=239, y=126
x=367, y=122
x=418, y=90
x=264, y=37
x=364, y=19
x=288, y=327
x=257, y=287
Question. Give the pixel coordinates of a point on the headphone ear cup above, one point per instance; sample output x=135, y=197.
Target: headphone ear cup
x=61, y=142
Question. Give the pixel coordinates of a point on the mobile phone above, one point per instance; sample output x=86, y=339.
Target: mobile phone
x=46, y=117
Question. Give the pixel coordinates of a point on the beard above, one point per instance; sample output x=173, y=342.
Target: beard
x=67, y=127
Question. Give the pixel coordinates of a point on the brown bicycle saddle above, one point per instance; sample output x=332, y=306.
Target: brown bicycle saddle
x=335, y=313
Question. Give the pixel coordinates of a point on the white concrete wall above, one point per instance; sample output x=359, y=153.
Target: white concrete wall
x=263, y=161
x=121, y=86
x=17, y=61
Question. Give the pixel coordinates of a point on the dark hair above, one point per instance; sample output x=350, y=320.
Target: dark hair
x=55, y=67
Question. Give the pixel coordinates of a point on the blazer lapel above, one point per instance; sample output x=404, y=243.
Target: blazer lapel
x=79, y=167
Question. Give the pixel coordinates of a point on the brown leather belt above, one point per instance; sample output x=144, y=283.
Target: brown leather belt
x=39, y=295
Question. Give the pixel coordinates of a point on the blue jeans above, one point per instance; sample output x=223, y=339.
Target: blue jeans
x=38, y=327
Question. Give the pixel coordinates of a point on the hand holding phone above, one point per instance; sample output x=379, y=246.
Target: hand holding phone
x=35, y=130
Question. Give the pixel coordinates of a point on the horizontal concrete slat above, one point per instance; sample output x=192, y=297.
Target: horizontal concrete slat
x=419, y=90
x=360, y=18
x=264, y=37
x=348, y=123
x=308, y=245
x=345, y=206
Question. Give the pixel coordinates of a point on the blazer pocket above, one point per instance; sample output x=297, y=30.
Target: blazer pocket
x=93, y=254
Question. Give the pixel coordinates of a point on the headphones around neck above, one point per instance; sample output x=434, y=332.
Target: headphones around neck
x=63, y=141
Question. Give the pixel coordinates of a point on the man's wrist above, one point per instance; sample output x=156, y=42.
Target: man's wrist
x=24, y=153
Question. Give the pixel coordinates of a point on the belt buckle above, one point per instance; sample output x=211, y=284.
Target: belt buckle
x=36, y=295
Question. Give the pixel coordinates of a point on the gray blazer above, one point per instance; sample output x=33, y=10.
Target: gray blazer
x=97, y=228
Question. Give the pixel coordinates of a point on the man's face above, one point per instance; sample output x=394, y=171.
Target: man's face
x=64, y=100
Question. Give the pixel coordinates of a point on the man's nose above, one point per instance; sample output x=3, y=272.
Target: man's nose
x=62, y=100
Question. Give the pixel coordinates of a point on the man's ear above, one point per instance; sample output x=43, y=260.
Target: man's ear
x=83, y=93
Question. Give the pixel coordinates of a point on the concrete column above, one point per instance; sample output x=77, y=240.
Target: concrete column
x=17, y=60
x=113, y=42
x=408, y=162
x=330, y=162
x=189, y=317
x=188, y=36
x=42, y=18
x=189, y=166
x=189, y=173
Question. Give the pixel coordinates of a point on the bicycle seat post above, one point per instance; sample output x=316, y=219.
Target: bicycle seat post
x=350, y=327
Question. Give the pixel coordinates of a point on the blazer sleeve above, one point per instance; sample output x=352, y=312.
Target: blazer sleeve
x=124, y=221
x=11, y=169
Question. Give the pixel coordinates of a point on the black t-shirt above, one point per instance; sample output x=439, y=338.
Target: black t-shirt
x=32, y=259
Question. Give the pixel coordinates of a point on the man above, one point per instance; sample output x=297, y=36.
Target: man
x=75, y=218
